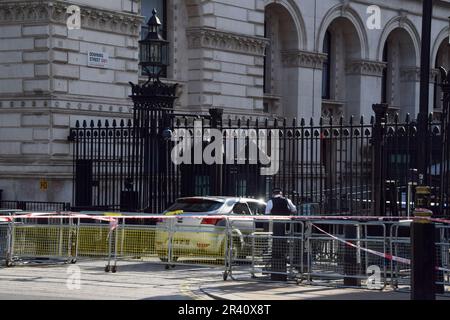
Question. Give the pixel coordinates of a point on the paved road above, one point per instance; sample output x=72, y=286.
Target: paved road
x=134, y=281
x=147, y=281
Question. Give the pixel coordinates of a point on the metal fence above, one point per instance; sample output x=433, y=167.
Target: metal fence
x=35, y=206
x=360, y=253
x=345, y=167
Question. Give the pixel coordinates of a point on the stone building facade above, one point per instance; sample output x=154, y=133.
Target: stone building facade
x=253, y=58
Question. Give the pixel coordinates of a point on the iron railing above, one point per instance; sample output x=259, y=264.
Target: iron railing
x=35, y=206
x=128, y=166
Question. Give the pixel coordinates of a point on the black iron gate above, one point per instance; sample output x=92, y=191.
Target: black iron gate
x=359, y=167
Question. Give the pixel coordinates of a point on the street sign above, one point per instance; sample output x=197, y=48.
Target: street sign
x=98, y=59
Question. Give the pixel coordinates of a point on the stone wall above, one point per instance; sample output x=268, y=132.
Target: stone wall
x=217, y=56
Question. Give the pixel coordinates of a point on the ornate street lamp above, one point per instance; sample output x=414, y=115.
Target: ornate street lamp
x=154, y=49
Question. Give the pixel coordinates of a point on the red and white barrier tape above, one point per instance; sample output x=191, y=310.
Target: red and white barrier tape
x=256, y=218
x=376, y=253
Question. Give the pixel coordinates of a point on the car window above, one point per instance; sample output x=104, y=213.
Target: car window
x=241, y=209
x=257, y=208
x=195, y=205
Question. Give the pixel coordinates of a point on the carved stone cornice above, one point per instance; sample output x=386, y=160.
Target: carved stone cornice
x=303, y=59
x=366, y=67
x=214, y=39
x=55, y=12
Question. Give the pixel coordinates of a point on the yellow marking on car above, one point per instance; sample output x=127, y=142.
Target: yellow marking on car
x=174, y=213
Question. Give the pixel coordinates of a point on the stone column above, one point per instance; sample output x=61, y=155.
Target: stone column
x=364, y=78
x=303, y=97
x=409, y=91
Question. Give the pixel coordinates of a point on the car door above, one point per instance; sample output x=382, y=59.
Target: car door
x=258, y=209
x=242, y=209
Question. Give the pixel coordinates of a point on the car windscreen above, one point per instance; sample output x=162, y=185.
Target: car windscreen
x=195, y=205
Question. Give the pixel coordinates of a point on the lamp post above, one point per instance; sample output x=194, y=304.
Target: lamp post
x=154, y=49
x=423, y=251
x=423, y=152
x=152, y=116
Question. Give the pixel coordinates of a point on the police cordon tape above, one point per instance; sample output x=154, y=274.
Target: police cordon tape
x=109, y=217
x=113, y=219
x=379, y=254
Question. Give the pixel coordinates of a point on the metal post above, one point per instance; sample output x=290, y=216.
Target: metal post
x=378, y=144
x=423, y=147
x=423, y=263
x=217, y=182
x=351, y=265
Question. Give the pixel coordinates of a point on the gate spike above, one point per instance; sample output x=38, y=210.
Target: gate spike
x=396, y=118
x=341, y=120
x=408, y=118
x=352, y=118
x=84, y=124
x=99, y=124
x=302, y=122
x=122, y=123
x=114, y=124
x=106, y=123
x=77, y=124
x=361, y=120
x=129, y=124
x=311, y=122
x=92, y=124
x=294, y=122
x=321, y=122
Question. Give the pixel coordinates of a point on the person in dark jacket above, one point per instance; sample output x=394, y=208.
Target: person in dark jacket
x=278, y=205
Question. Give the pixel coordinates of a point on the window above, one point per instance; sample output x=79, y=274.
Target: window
x=326, y=73
x=384, y=84
x=241, y=209
x=147, y=7
x=257, y=208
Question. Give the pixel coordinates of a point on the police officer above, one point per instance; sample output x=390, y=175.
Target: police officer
x=279, y=206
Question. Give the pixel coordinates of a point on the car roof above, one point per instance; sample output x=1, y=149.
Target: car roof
x=224, y=199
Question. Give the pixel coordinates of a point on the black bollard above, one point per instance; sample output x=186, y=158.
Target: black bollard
x=423, y=253
x=279, y=251
x=351, y=267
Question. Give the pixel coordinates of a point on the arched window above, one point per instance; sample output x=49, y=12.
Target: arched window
x=400, y=81
x=326, y=73
x=147, y=7
x=442, y=60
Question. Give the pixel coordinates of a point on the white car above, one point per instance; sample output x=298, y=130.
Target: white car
x=198, y=232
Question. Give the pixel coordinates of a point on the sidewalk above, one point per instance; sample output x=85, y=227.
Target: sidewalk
x=265, y=290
